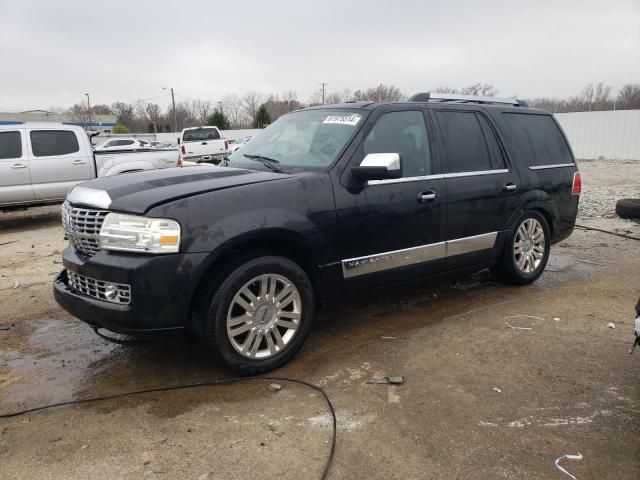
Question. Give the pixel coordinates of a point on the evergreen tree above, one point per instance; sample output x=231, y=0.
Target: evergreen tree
x=262, y=117
x=219, y=119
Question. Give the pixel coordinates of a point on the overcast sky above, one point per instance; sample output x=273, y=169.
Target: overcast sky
x=53, y=51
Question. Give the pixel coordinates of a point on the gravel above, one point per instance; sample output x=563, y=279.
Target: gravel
x=604, y=182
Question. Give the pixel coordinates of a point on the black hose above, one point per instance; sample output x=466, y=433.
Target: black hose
x=630, y=237
x=223, y=381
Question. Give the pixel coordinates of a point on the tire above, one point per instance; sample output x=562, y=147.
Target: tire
x=259, y=316
x=628, y=208
x=518, y=267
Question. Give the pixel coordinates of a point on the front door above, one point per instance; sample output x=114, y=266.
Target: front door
x=392, y=230
x=57, y=162
x=15, y=182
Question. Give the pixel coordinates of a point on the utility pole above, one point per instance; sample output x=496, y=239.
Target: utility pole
x=173, y=101
x=323, y=85
x=89, y=108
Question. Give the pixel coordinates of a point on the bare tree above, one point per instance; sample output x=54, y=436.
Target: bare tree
x=231, y=105
x=483, y=89
x=124, y=113
x=79, y=113
x=594, y=97
x=251, y=102
x=381, y=93
x=629, y=96
x=277, y=107
x=446, y=90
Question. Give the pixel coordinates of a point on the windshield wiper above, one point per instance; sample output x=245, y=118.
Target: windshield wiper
x=266, y=161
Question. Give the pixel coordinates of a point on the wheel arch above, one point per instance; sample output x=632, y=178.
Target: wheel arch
x=276, y=241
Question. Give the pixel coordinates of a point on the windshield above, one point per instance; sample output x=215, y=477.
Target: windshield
x=200, y=134
x=305, y=140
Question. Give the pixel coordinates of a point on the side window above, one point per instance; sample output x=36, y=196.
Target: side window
x=47, y=143
x=495, y=153
x=539, y=139
x=125, y=142
x=10, y=145
x=464, y=142
x=404, y=133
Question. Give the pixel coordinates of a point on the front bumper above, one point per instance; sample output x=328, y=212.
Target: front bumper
x=162, y=287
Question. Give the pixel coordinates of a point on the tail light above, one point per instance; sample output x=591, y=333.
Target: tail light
x=226, y=145
x=183, y=150
x=577, y=184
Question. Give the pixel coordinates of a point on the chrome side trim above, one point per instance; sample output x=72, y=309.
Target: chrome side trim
x=477, y=173
x=406, y=179
x=555, y=165
x=353, y=267
x=438, y=176
x=476, y=243
x=90, y=197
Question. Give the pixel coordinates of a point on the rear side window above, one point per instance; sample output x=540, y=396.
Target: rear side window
x=538, y=139
x=465, y=144
x=48, y=143
x=404, y=133
x=10, y=145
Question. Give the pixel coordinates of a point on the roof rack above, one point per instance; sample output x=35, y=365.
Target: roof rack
x=453, y=97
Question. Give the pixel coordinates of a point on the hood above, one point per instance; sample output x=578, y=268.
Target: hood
x=139, y=192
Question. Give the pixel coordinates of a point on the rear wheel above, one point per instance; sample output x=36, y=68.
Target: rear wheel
x=527, y=251
x=260, y=315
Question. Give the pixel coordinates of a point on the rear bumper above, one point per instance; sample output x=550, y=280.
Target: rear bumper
x=161, y=290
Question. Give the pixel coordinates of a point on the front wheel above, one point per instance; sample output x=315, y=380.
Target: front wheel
x=260, y=315
x=526, y=252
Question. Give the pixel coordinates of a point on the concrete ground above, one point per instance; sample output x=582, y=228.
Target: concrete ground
x=500, y=381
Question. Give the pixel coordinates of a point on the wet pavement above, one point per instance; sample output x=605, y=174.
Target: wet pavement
x=500, y=381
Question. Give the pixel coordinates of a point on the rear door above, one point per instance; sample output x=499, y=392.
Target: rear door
x=15, y=182
x=59, y=158
x=482, y=188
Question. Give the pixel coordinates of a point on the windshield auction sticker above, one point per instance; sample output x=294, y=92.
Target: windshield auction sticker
x=343, y=119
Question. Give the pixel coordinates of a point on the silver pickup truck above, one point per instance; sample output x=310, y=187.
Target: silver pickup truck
x=40, y=162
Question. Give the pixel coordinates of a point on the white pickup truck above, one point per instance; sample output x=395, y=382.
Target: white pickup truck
x=203, y=144
x=40, y=162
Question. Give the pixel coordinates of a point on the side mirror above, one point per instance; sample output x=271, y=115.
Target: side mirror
x=178, y=140
x=378, y=166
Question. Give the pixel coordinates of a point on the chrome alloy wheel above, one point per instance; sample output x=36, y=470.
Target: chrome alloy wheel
x=529, y=245
x=264, y=316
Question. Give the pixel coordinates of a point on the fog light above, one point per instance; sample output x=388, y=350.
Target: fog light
x=110, y=291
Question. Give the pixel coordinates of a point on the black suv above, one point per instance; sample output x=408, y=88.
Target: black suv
x=325, y=202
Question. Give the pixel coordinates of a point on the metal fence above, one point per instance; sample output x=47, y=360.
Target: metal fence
x=609, y=134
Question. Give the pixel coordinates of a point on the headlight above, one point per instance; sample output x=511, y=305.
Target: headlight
x=133, y=233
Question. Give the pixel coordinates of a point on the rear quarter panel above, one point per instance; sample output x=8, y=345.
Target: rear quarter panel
x=547, y=190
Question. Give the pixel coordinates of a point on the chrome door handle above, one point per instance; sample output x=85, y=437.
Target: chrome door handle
x=18, y=165
x=427, y=196
x=78, y=162
x=510, y=187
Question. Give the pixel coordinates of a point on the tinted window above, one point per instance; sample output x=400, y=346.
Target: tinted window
x=404, y=133
x=123, y=143
x=200, y=134
x=538, y=138
x=464, y=142
x=10, y=145
x=46, y=143
x=495, y=152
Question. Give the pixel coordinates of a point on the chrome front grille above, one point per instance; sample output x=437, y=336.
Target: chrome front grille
x=119, y=293
x=82, y=226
